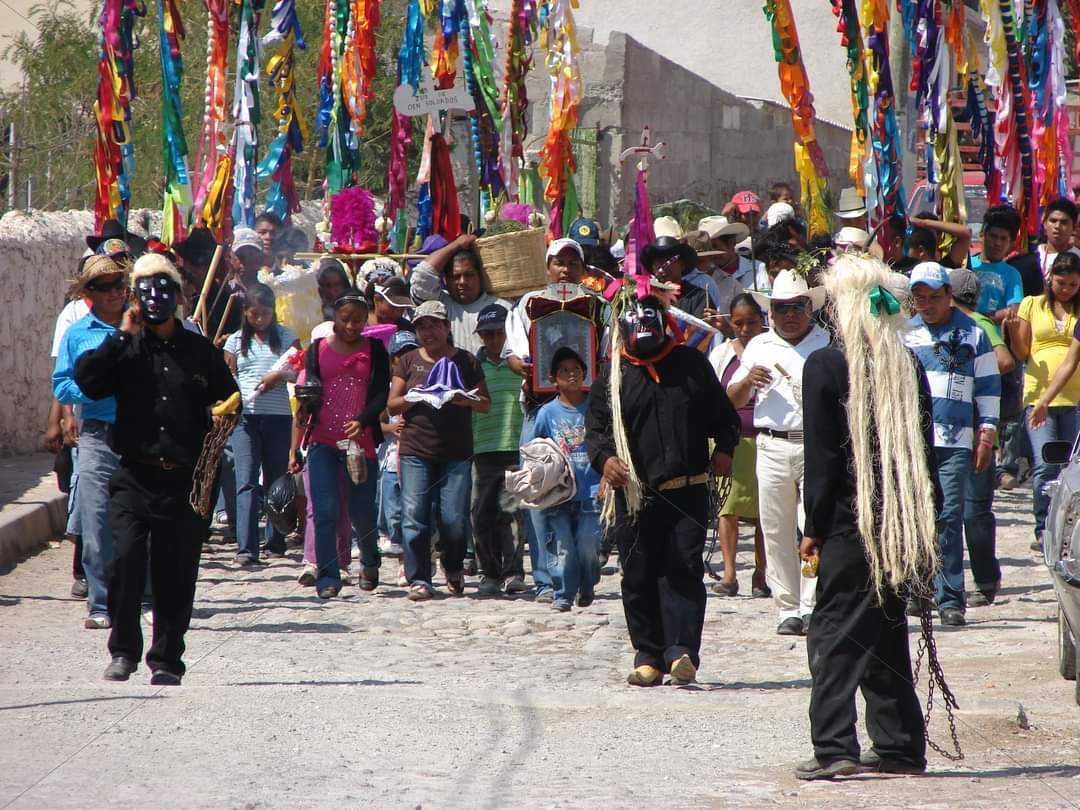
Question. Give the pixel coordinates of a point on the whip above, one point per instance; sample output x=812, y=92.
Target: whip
x=226, y=415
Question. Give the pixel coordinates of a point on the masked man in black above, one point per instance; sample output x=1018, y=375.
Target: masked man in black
x=671, y=404
x=165, y=380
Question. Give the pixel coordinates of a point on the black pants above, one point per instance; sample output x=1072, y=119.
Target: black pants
x=152, y=520
x=857, y=643
x=662, y=589
x=499, y=532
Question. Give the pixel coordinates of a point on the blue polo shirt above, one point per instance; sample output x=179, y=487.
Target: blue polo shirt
x=84, y=335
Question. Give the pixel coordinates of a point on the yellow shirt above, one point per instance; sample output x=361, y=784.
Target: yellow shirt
x=1049, y=345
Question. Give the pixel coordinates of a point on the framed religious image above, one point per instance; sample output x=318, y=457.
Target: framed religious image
x=560, y=328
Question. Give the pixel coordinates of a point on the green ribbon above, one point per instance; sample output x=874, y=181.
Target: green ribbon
x=882, y=299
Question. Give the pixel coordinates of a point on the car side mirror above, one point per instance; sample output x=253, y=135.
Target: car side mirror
x=1057, y=452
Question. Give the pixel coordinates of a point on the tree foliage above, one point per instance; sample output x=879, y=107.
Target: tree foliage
x=53, y=108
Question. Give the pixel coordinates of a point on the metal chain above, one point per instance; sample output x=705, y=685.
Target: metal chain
x=936, y=677
x=202, y=481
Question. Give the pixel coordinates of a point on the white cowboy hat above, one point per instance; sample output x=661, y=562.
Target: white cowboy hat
x=850, y=205
x=849, y=238
x=667, y=226
x=718, y=226
x=788, y=286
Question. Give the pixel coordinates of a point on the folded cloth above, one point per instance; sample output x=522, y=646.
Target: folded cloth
x=442, y=385
x=545, y=479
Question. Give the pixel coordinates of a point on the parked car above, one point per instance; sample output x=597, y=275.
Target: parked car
x=1061, y=550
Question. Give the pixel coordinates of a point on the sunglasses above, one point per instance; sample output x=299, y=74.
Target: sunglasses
x=107, y=286
x=784, y=307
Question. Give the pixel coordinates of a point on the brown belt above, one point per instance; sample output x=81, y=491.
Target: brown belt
x=683, y=481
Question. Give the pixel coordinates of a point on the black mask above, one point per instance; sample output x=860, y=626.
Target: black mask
x=644, y=330
x=157, y=297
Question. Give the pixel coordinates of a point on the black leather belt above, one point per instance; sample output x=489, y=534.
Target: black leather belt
x=790, y=435
x=156, y=463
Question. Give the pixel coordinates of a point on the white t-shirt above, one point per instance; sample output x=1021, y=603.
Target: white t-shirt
x=779, y=407
x=73, y=311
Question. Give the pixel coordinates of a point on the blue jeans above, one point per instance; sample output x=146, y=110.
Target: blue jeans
x=573, y=543
x=1014, y=446
x=535, y=526
x=449, y=483
x=260, y=442
x=390, y=506
x=74, y=523
x=1060, y=426
x=97, y=463
x=226, y=497
x=325, y=465
x=954, y=475
x=980, y=530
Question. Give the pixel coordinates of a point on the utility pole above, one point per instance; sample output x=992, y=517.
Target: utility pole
x=13, y=193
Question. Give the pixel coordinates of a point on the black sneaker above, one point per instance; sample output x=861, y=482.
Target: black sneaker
x=79, y=589
x=812, y=769
x=870, y=761
x=953, y=617
x=162, y=677
x=982, y=598
x=790, y=627
x=120, y=668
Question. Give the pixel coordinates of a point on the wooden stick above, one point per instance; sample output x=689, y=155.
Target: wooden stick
x=200, y=310
x=312, y=256
x=225, y=317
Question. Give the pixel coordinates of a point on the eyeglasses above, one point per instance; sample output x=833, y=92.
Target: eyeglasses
x=784, y=307
x=107, y=286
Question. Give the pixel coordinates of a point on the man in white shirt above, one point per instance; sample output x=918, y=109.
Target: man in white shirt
x=771, y=366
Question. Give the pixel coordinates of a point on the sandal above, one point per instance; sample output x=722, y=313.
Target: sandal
x=419, y=592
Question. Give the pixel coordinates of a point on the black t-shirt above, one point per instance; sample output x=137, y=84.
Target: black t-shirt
x=438, y=434
x=1030, y=273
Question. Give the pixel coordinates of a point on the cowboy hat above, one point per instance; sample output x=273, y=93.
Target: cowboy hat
x=667, y=226
x=848, y=238
x=718, y=227
x=667, y=247
x=850, y=204
x=110, y=229
x=198, y=248
x=95, y=266
x=788, y=286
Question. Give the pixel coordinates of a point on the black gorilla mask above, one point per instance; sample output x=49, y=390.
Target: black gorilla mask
x=644, y=330
x=157, y=297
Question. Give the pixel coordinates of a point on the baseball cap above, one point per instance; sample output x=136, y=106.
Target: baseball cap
x=246, y=238
x=746, y=201
x=931, y=274
x=430, y=309
x=394, y=291
x=491, y=318
x=965, y=286
x=585, y=232
x=559, y=245
x=565, y=353
x=402, y=340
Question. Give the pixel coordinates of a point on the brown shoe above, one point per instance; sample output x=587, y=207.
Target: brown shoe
x=645, y=675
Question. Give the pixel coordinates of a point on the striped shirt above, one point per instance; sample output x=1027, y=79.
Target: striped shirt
x=256, y=364
x=498, y=430
x=963, y=375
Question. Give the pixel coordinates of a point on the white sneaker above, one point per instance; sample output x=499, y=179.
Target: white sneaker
x=402, y=580
x=308, y=575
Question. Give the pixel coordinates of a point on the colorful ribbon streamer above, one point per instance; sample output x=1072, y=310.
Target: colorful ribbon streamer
x=795, y=85
x=336, y=128
x=452, y=15
x=212, y=149
x=358, y=62
x=114, y=154
x=284, y=36
x=851, y=39
x=514, y=102
x=480, y=83
x=557, y=162
x=177, y=203
x=885, y=170
x=246, y=114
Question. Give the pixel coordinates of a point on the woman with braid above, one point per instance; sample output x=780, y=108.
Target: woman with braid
x=870, y=523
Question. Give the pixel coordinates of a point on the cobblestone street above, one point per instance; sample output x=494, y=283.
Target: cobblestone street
x=374, y=701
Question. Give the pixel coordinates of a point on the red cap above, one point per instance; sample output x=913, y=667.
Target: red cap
x=746, y=201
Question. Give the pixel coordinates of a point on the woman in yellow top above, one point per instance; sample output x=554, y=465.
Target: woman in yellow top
x=1045, y=334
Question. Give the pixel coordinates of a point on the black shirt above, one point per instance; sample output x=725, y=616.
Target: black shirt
x=669, y=423
x=829, y=489
x=163, y=389
x=1030, y=272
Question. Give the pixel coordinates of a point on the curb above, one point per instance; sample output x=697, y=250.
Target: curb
x=26, y=528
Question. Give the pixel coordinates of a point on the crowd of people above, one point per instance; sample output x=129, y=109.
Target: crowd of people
x=430, y=421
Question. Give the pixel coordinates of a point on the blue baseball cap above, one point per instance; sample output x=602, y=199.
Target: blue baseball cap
x=491, y=318
x=584, y=232
x=932, y=274
x=402, y=340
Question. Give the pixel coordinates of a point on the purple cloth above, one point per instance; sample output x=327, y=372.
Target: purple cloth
x=430, y=245
x=746, y=412
x=442, y=385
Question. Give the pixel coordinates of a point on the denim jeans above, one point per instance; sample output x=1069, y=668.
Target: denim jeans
x=535, y=527
x=980, y=530
x=325, y=466
x=1060, y=426
x=954, y=475
x=97, y=463
x=74, y=522
x=573, y=542
x=1014, y=446
x=390, y=506
x=423, y=481
x=260, y=442
x=226, y=484
x=344, y=526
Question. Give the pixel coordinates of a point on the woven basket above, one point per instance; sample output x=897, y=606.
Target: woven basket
x=513, y=262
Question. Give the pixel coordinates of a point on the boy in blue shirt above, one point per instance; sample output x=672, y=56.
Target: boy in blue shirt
x=1002, y=287
x=573, y=528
